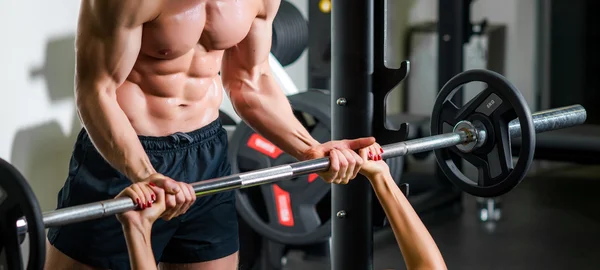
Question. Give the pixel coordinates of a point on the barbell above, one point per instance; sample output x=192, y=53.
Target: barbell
x=479, y=132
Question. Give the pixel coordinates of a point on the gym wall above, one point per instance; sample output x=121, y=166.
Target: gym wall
x=519, y=17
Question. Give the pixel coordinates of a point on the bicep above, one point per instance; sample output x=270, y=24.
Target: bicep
x=107, y=47
x=249, y=58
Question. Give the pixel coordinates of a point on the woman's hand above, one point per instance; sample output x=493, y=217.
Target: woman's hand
x=373, y=165
x=148, y=198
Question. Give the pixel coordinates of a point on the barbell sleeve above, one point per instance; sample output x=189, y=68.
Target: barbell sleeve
x=558, y=118
x=543, y=121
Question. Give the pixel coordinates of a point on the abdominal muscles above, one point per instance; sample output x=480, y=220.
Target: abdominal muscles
x=181, y=94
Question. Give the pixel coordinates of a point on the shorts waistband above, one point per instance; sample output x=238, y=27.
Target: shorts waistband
x=175, y=141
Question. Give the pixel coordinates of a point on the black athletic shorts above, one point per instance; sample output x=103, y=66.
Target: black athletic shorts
x=208, y=231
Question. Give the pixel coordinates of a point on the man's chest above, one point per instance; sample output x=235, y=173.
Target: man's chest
x=183, y=25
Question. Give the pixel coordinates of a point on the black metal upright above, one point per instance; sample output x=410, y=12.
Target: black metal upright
x=351, y=116
x=453, y=32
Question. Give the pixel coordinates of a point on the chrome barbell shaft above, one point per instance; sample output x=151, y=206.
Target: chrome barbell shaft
x=543, y=121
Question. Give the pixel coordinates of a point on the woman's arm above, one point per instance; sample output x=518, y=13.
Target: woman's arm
x=416, y=244
x=137, y=236
x=137, y=224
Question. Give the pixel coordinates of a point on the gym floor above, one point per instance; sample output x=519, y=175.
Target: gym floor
x=548, y=222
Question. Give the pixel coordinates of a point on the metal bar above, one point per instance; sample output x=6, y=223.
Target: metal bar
x=88, y=211
x=543, y=121
x=552, y=119
x=423, y=144
x=352, y=67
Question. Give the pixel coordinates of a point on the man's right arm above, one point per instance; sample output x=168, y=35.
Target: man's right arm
x=108, y=42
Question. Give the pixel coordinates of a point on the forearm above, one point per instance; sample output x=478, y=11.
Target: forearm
x=416, y=244
x=113, y=135
x=267, y=110
x=139, y=245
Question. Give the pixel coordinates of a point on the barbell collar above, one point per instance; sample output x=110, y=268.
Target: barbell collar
x=543, y=121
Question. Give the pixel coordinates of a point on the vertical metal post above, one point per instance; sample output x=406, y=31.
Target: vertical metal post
x=453, y=24
x=319, y=46
x=351, y=116
x=543, y=28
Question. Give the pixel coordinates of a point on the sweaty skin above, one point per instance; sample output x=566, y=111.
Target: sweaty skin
x=416, y=244
x=150, y=67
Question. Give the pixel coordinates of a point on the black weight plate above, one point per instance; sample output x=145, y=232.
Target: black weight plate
x=305, y=217
x=290, y=34
x=18, y=200
x=494, y=107
x=295, y=211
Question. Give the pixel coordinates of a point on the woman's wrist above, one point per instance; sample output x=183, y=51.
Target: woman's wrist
x=143, y=226
x=379, y=177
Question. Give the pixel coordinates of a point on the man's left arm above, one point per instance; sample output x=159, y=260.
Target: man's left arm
x=254, y=93
x=259, y=101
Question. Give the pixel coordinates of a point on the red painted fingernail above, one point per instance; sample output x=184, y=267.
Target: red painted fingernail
x=370, y=155
x=149, y=204
x=153, y=197
x=381, y=149
x=152, y=184
x=138, y=201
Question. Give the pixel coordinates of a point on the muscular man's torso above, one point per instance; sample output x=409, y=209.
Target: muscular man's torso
x=174, y=85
